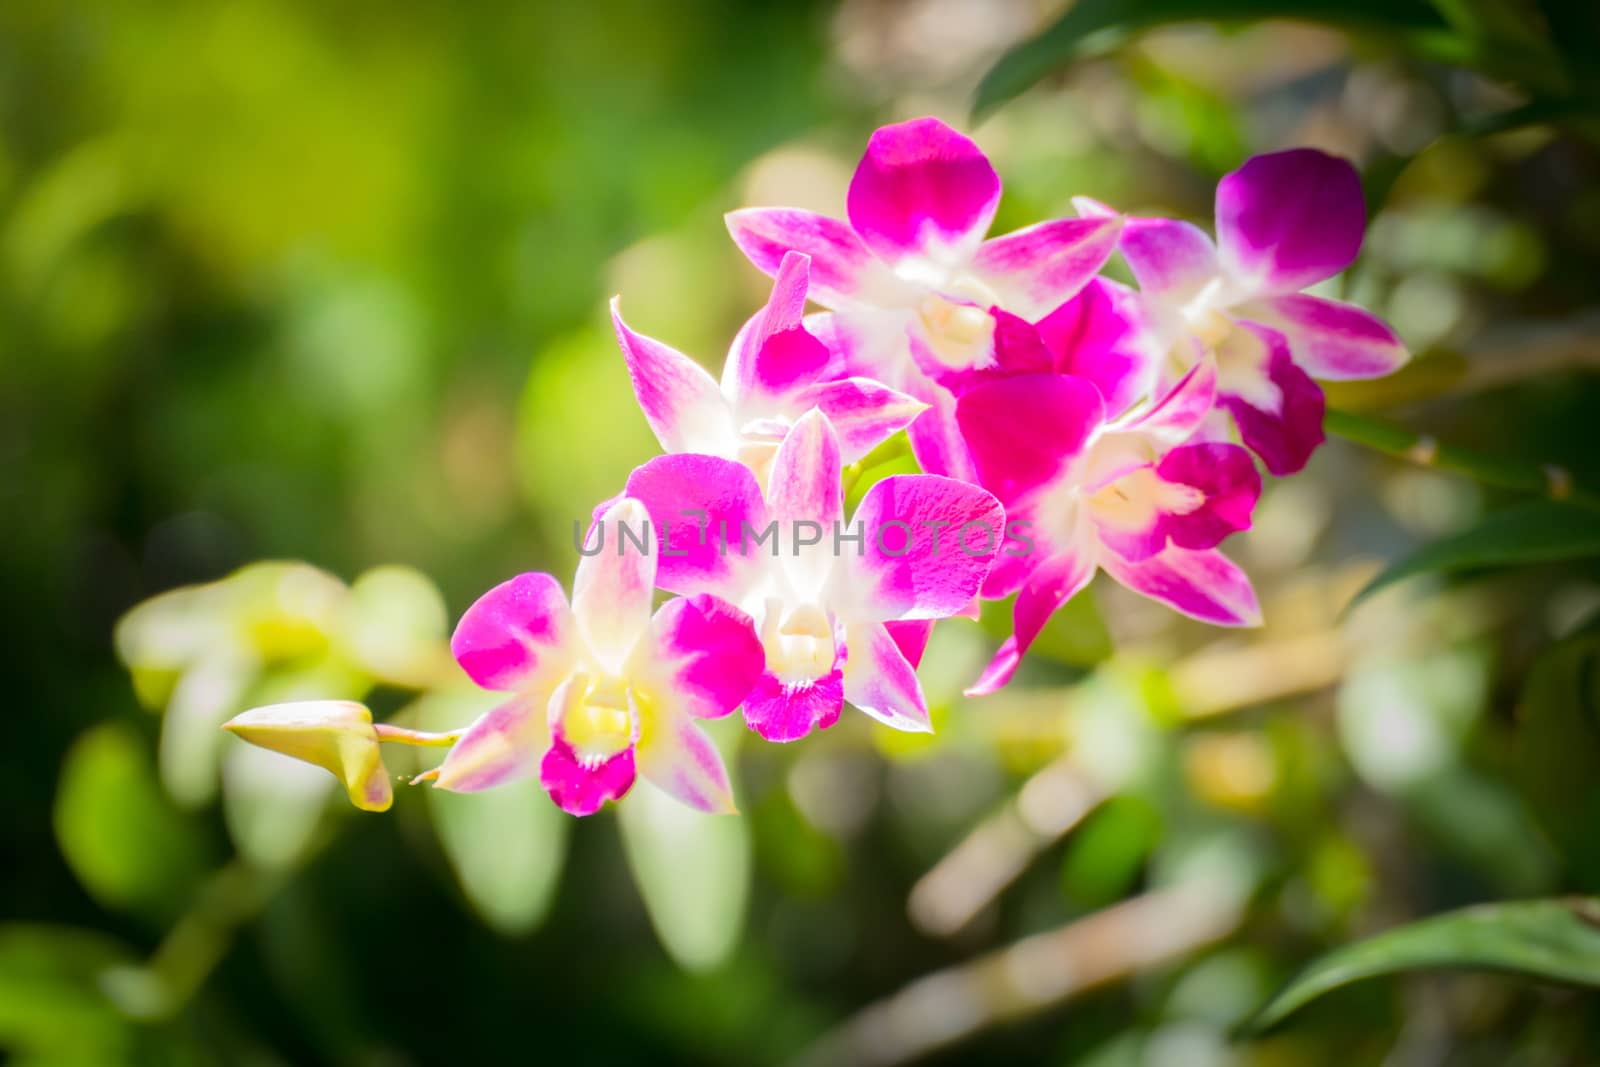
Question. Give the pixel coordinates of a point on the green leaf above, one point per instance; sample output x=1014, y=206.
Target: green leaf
x=1091, y=26
x=1555, y=940
x=123, y=839
x=51, y=1004
x=1540, y=532
x=507, y=845
x=693, y=871
x=1556, y=756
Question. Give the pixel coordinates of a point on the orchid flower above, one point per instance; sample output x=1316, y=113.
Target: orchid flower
x=825, y=596
x=911, y=280
x=1119, y=496
x=601, y=689
x=775, y=372
x=1284, y=222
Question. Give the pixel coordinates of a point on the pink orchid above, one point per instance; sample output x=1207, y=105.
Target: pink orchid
x=828, y=598
x=911, y=280
x=1285, y=221
x=1122, y=496
x=775, y=372
x=602, y=689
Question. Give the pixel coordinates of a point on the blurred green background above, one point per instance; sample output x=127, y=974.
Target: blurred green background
x=327, y=282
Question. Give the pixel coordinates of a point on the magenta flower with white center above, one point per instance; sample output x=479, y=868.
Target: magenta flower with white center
x=910, y=279
x=601, y=689
x=1091, y=495
x=823, y=592
x=1285, y=221
x=775, y=372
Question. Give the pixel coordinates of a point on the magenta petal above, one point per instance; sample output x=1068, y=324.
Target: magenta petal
x=937, y=442
x=704, y=650
x=680, y=400
x=1024, y=431
x=841, y=266
x=911, y=638
x=1171, y=260
x=1289, y=219
x=929, y=544
x=677, y=757
x=1204, y=585
x=879, y=681
x=1041, y=267
x=999, y=671
x=922, y=190
x=512, y=631
x=865, y=413
x=501, y=746
x=700, y=504
x=1227, y=481
x=1184, y=408
x=1276, y=405
x=773, y=355
x=788, y=711
x=1102, y=334
x=580, y=788
x=805, y=481
x=1053, y=583
x=1331, y=340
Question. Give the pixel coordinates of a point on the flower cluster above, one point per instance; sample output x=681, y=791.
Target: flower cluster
x=1067, y=424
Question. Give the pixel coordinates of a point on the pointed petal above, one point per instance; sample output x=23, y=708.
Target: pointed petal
x=517, y=629
x=702, y=650
x=923, y=191
x=842, y=270
x=1052, y=583
x=701, y=504
x=612, y=589
x=928, y=543
x=680, y=400
x=1204, y=585
x=677, y=757
x=864, y=413
x=999, y=671
x=1276, y=405
x=1104, y=335
x=787, y=711
x=1024, y=431
x=805, y=497
x=1039, y=268
x=879, y=681
x=582, y=788
x=1287, y=220
x=1178, y=414
x=911, y=636
x=1331, y=340
x=773, y=355
x=1170, y=259
x=336, y=735
x=503, y=745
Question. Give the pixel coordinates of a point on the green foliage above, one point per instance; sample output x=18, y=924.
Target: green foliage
x=1554, y=940
x=1557, y=753
x=1539, y=532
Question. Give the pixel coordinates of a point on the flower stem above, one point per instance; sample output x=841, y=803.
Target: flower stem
x=1547, y=480
x=400, y=735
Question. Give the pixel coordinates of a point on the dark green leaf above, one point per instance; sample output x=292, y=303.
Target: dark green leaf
x=1540, y=532
x=1095, y=25
x=1557, y=754
x=1557, y=940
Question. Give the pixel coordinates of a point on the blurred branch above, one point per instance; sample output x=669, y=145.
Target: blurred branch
x=1032, y=975
x=1547, y=480
x=991, y=857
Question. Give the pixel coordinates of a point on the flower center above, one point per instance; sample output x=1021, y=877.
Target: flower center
x=1134, y=500
x=597, y=720
x=959, y=335
x=1204, y=318
x=798, y=641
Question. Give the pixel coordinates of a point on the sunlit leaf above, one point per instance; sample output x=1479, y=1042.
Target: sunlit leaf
x=117, y=830
x=1091, y=26
x=507, y=845
x=692, y=870
x=1554, y=940
x=51, y=1006
x=1539, y=532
